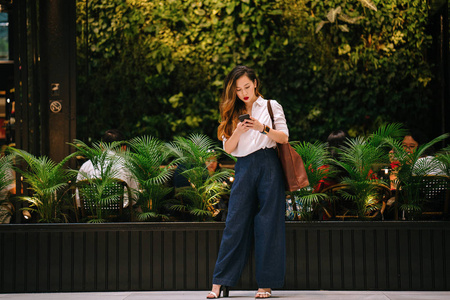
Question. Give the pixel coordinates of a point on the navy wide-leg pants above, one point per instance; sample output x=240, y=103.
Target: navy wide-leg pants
x=256, y=212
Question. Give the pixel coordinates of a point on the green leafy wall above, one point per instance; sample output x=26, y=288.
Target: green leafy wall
x=156, y=67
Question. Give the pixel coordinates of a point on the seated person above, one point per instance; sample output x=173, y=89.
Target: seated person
x=414, y=139
x=334, y=141
x=212, y=166
x=424, y=165
x=88, y=170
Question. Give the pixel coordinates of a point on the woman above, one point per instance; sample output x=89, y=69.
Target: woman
x=335, y=140
x=257, y=200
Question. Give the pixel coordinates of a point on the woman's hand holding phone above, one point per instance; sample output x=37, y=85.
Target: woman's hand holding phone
x=251, y=123
x=244, y=117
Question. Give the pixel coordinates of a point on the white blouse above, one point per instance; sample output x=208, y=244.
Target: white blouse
x=253, y=140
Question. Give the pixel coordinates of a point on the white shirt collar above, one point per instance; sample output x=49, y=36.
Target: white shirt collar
x=260, y=101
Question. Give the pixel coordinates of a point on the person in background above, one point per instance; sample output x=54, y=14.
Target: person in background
x=88, y=170
x=413, y=140
x=334, y=141
x=213, y=165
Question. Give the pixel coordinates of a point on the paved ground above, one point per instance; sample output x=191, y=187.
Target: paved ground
x=236, y=295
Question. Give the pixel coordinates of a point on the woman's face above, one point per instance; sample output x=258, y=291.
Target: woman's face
x=211, y=163
x=245, y=89
x=409, y=144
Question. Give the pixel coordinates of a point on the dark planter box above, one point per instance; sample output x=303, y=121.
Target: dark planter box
x=181, y=256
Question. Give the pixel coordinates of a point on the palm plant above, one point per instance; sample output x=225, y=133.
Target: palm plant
x=6, y=179
x=443, y=160
x=105, y=157
x=102, y=155
x=49, y=183
x=192, y=151
x=317, y=160
x=412, y=172
x=357, y=157
x=145, y=162
x=205, y=190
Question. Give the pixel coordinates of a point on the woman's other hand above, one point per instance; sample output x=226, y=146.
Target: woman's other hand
x=243, y=126
x=254, y=124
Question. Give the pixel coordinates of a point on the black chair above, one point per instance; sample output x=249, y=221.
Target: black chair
x=431, y=192
x=435, y=193
x=101, y=200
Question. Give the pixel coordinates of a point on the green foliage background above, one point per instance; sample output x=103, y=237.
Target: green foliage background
x=157, y=67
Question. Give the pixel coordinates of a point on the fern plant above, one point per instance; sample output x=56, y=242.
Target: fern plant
x=107, y=160
x=145, y=161
x=48, y=183
x=205, y=190
x=6, y=179
x=317, y=160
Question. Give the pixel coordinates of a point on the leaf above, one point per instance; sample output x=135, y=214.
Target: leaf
x=6, y=175
x=331, y=16
x=344, y=28
x=175, y=99
x=320, y=25
x=200, y=212
x=368, y=4
x=345, y=18
x=276, y=12
x=200, y=12
x=230, y=7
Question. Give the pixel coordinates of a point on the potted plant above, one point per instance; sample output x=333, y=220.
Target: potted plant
x=204, y=190
x=49, y=185
x=146, y=161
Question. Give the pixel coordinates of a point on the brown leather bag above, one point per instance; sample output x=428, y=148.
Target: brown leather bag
x=292, y=163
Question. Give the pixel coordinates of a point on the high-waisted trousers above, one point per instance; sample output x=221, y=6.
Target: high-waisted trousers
x=256, y=212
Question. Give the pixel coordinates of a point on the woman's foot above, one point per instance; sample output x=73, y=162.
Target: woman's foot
x=263, y=293
x=215, y=292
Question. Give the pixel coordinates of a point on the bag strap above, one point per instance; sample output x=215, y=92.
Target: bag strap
x=269, y=107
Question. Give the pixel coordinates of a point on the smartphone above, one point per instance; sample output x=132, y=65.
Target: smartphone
x=244, y=117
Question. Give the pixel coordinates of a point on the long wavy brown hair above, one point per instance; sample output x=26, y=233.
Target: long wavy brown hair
x=231, y=106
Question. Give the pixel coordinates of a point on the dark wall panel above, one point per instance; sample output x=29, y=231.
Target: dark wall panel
x=181, y=256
